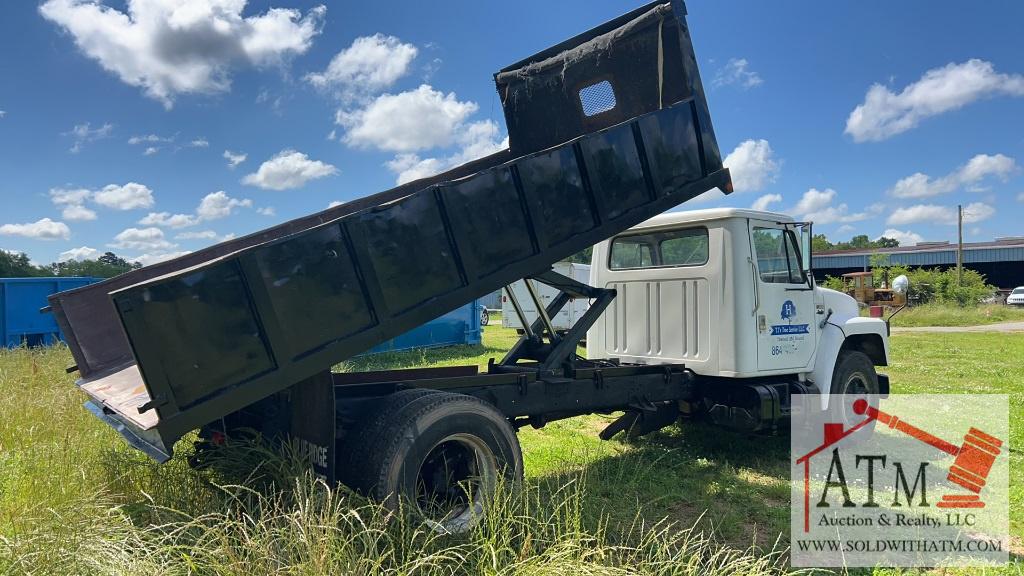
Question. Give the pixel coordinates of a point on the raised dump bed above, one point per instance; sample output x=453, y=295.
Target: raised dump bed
x=606, y=130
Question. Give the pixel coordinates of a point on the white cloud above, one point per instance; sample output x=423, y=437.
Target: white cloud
x=67, y=197
x=171, y=47
x=819, y=206
x=288, y=169
x=885, y=113
x=218, y=205
x=409, y=167
x=369, y=65
x=72, y=203
x=150, y=151
x=764, y=201
x=736, y=73
x=200, y=235
x=905, y=237
x=752, y=165
x=213, y=206
x=476, y=140
x=77, y=213
x=1020, y=197
x=168, y=220
x=44, y=229
x=142, y=239
x=815, y=200
x=922, y=213
x=266, y=211
x=977, y=211
x=155, y=258
x=935, y=214
x=80, y=253
x=130, y=196
x=199, y=143
x=845, y=229
x=334, y=203
x=82, y=134
x=150, y=139
x=3, y=113
x=234, y=159
x=419, y=119
x=976, y=169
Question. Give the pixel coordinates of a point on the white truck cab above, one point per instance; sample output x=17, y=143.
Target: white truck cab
x=729, y=293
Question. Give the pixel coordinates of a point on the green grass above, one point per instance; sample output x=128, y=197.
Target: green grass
x=75, y=500
x=952, y=315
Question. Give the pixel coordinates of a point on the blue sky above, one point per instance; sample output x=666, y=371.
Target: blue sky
x=155, y=127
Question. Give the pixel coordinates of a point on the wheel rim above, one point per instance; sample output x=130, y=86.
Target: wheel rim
x=453, y=480
x=856, y=385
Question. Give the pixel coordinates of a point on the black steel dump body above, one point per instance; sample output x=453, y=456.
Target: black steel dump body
x=606, y=130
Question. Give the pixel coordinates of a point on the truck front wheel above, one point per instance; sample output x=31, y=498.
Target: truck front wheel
x=854, y=375
x=442, y=454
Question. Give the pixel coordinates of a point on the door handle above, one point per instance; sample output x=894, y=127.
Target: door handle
x=757, y=295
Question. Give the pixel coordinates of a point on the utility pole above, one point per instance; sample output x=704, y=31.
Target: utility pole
x=959, y=245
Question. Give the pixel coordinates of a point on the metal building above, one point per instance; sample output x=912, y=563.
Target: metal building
x=1001, y=261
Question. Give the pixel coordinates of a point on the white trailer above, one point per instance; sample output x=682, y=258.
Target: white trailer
x=562, y=321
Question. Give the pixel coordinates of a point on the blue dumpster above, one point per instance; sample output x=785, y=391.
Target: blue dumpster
x=460, y=326
x=20, y=301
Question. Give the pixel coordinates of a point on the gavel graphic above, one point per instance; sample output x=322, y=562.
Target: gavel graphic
x=973, y=461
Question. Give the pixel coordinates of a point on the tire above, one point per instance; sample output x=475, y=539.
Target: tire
x=854, y=374
x=440, y=454
x=485, y=317
x=358, y=448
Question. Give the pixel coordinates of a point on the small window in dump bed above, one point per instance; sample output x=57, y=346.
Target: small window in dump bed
x=660, y=249
x=597, y=98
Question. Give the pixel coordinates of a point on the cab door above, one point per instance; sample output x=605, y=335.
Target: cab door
x=785, y=312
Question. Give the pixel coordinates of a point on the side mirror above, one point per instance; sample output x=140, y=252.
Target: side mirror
x=805, y=248
x=901, y=284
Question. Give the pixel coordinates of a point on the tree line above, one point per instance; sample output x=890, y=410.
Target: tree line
x=18, y=265
x=819, y=243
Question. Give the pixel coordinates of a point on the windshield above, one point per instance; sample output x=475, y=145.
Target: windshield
x=1018, y=290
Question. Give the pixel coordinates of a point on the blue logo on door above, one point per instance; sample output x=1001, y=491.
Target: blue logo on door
x=788, y=310
x=787, y=314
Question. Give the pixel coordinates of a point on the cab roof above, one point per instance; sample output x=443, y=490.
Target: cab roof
x=708, y=214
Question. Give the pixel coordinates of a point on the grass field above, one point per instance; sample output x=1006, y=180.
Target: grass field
x=75, y=500
x=952, y=315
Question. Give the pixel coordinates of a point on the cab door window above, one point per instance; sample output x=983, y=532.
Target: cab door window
x=631, y=253
x=778, y=260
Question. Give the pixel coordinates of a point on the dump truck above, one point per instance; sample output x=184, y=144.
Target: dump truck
x=606, y=131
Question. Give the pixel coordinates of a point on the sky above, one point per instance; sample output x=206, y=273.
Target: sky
x=156, y=127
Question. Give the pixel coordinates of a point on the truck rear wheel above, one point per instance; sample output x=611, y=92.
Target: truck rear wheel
x=442, y=454
x=854, y=375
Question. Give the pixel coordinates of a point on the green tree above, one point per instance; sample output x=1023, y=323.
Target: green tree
x=582, y=257
x=819, y=243
x=106, y=266
x=860, y=242
x=18, y=265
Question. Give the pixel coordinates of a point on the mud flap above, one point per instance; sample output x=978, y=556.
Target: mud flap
x=313, y=424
